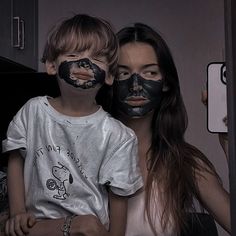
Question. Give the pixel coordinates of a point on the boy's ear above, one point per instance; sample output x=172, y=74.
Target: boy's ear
x=51, y=68
x=109, y=79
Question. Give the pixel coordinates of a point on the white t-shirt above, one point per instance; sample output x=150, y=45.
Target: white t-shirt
x=70, y=161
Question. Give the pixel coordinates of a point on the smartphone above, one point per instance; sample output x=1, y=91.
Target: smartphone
x=216, y=97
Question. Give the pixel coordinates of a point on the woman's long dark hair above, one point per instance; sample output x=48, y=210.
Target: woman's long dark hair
x=172, y=162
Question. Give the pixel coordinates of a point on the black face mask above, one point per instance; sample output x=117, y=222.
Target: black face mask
x=136, y=86
x=64, y=72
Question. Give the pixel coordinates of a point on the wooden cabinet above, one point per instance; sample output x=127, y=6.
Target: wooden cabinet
x=19, y=31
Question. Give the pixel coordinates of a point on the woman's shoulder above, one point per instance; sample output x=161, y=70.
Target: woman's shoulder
x=206, y=174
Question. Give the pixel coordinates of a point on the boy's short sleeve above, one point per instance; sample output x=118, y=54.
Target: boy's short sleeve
x=121, y=172
x=16, y=134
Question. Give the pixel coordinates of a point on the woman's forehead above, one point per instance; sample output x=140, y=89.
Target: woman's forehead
x=137, y=54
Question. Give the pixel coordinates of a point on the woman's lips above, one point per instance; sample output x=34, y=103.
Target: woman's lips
x=136, y=101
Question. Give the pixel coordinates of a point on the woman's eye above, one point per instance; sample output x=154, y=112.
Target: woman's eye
x=122, y=75
x=152, y=74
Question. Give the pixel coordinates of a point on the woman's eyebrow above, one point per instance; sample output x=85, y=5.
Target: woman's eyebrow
x=149, y=65
x=122, y=66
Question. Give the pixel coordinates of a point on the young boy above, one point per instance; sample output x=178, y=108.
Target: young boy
x=67, y=155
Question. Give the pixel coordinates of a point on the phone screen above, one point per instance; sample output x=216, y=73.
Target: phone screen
x=216, y=97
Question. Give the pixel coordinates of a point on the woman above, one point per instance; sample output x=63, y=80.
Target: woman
x=147, y=98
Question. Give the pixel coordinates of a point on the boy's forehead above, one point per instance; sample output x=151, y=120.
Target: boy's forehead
x=91, y=45
x=87, y=53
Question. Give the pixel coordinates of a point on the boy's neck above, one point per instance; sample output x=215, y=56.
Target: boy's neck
x=74, y=107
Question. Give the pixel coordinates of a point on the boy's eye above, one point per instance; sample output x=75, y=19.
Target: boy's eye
x=97, y=59
x=71, y=56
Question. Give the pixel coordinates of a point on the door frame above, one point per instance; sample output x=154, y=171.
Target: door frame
x=230, y=46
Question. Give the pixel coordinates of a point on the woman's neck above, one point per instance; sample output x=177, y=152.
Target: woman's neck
x=142, y=128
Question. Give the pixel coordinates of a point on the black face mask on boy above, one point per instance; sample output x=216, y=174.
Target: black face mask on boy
x=65, y=72
x=137, y=87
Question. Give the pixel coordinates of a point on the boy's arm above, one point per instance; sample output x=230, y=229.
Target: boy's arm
x=15, y=182
x=20, y=220
x=118, y=214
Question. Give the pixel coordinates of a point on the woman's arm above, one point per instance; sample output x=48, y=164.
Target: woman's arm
x=223, y=138
x=213, y=195
x=215, y=198
x=86, y=225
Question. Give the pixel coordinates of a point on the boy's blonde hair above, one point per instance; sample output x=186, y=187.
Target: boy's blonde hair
x=79, y=33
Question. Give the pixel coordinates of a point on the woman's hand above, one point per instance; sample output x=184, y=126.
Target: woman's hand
x=204, y=97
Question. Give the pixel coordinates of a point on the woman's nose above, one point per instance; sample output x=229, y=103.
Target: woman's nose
x=136, y=85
